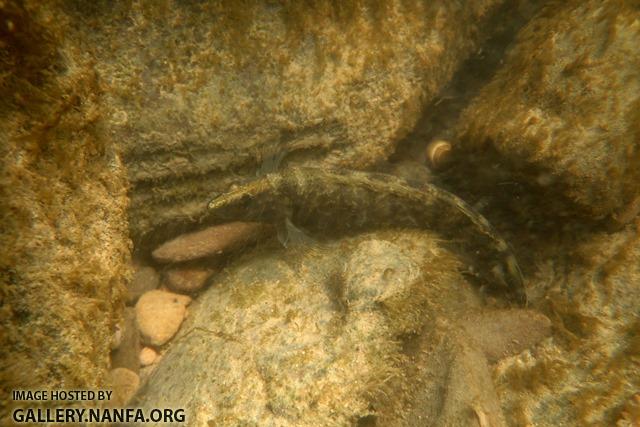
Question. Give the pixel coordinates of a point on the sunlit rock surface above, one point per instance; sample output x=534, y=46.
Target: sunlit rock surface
x=365, y=329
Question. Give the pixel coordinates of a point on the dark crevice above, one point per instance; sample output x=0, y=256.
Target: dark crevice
x=442, y=114
x=533, y=217
x=367, y=421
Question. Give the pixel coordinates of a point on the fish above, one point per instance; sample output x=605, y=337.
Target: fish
x=335, y=201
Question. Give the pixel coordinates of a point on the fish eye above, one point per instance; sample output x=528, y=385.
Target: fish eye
x=213, y=200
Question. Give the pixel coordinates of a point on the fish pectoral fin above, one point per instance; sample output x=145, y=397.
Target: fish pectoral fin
x=290, y=235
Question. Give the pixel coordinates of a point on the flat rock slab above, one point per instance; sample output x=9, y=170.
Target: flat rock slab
x=211, y=241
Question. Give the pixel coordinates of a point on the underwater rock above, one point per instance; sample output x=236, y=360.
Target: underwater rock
x=126, y=355
x=211, y=241
x=493, y=331
x=339, y=333
x=593, y=301
x=563, y=108
x=159, y=315
x=64, y=246
x=630, y=416
x=147, y=356
x=124, y=384
x=186, y=280
x=144, y=279
x=223, y=90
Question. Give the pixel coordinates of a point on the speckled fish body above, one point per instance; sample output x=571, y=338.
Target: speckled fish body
x=336, y=201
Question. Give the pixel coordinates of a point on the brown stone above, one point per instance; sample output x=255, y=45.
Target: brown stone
x=147, y=356
x=210, y=241
x=186, y=280
x=159, y=315
x=124, y=383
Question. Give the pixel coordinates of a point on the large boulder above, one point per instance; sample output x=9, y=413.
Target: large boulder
x=588, y=284
x=206, y=94
x=64, y=247
x=377, y=329
x=564, y=109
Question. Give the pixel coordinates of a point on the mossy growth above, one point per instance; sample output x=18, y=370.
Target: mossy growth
x=64, y=246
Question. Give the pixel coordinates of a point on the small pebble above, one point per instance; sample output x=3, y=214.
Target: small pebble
x=186, y=280
x=124, y=384
x=159, y=315
x=210, y=241
x=144, y=279
x=147, y=356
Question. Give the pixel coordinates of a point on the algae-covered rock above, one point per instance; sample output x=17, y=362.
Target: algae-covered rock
x=565, y=107
x=205, y=94
x=63, y=242
x=591, y=370
x=358, y=331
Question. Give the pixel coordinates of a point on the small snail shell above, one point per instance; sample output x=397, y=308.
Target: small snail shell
x=438, y=152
